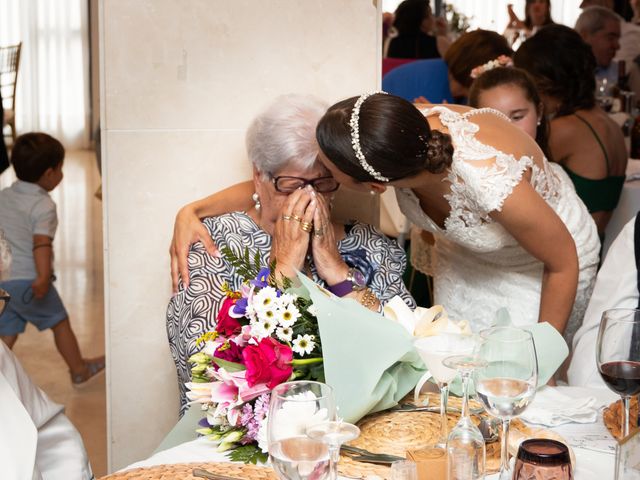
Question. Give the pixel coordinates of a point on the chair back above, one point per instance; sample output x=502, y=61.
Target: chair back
x=390, y=63
x=428, y=78
x=9, y=65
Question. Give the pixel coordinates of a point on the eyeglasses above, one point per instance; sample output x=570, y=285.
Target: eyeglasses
x=286, y=184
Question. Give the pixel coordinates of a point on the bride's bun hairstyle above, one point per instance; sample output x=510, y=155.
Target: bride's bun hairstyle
x=381, y=137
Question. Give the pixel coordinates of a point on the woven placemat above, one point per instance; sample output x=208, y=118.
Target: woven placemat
x=182, y=471
x=397, y=432
x=614, y=413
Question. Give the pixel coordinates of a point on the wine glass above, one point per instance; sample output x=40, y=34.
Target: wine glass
x=618, y=355
x=334, y=433
x=507, y=383
x=433, y=350
x=603, y=94
x=466, y=452
x=293, y=409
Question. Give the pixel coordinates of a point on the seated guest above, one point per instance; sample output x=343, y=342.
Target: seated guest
x=290, y=224
x=599, y=27
x=629, y=43
x=513, y=92
x=616, y=286
x=37, y=440
x=470, y=51
x=583, y=139
x=412, y=25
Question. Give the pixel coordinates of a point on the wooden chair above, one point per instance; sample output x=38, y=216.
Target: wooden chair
x=9, y=65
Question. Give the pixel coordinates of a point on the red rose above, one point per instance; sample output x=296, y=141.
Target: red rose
x=268, y=362
x=227, y=325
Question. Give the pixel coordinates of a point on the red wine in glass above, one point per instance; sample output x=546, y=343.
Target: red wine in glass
x=623, y=377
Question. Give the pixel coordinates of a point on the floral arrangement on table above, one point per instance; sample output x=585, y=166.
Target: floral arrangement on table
x=265, y=335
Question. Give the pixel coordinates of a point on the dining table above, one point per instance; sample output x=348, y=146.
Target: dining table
x=592, y=444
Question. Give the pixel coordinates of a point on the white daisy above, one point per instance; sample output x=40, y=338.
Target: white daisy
x=289, y=316
x=304, y=344
x=284, y=333
x=262, y=329
x=271, y=315
x=286, y=299
x=265, y=299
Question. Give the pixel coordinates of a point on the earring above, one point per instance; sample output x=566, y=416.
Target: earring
x=539, y=122
x=372, y=192
x=256, y=199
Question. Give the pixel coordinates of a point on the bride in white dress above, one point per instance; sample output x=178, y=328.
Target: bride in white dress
x=508, y=226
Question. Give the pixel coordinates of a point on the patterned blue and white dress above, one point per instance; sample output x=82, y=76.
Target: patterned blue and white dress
x=193, y=311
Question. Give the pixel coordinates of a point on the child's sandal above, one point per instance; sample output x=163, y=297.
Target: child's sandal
x=93, y=367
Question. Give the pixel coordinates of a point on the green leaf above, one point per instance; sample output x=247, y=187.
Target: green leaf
x=248, y=454
x=229, y=366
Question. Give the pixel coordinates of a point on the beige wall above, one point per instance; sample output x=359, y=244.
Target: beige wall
x=180, y=80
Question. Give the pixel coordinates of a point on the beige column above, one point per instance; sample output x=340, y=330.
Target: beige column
x=180, y=81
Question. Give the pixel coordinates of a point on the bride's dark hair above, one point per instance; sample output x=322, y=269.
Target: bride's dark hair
x=394, y=137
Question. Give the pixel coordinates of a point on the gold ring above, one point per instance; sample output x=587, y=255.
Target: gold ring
x=306, y=226
x=296, y=217
x=286, y=217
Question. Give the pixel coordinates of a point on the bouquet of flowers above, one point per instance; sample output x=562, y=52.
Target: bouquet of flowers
x=264, y=336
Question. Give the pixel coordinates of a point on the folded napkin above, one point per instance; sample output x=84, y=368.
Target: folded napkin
x=552, y=408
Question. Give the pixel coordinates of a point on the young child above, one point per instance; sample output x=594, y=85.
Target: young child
x=29, y=220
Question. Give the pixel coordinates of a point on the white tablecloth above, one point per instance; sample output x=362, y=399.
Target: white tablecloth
x=592, y=464
x=628, y=205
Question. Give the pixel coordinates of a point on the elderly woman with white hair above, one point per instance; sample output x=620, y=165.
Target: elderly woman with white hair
x=290, y=223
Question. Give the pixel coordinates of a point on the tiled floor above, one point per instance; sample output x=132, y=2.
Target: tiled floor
x=78, y=268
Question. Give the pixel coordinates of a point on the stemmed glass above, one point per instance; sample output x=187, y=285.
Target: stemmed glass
x=507, y=383
x=466, y=452
x=433, y=350
x=334, y=434
x=294, y=408
x=618, y=355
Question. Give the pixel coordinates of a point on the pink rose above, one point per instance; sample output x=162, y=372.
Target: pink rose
x=268, y=362
x=227, y=325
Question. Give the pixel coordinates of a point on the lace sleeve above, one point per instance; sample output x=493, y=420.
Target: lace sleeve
x=487, y=187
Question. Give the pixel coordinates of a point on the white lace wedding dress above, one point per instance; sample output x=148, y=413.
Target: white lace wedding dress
x=478, y=267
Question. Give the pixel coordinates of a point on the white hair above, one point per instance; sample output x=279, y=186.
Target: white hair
x=592, y=19
x=285, y=133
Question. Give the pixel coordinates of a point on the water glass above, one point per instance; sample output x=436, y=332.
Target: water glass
x=542, y=459
x=507, y=383
x=294, y=408
x=404, y=470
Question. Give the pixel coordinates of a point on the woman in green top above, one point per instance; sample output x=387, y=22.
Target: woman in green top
x=583, y=139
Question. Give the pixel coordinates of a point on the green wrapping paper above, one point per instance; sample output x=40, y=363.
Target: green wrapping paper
x=368, y=360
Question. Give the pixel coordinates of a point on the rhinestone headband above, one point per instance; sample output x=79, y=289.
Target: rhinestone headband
x=355, y=138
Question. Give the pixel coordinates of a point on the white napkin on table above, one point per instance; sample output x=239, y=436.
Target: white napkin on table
x=552, y=408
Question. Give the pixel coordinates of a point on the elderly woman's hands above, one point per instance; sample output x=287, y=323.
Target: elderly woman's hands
x=291, y=234
x=324, y=246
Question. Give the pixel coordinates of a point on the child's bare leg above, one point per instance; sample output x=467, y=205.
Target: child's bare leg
x=10, y=340
x=67, y=345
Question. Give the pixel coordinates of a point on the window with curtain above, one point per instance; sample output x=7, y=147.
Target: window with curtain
x=492, y=15
x=53, y=83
